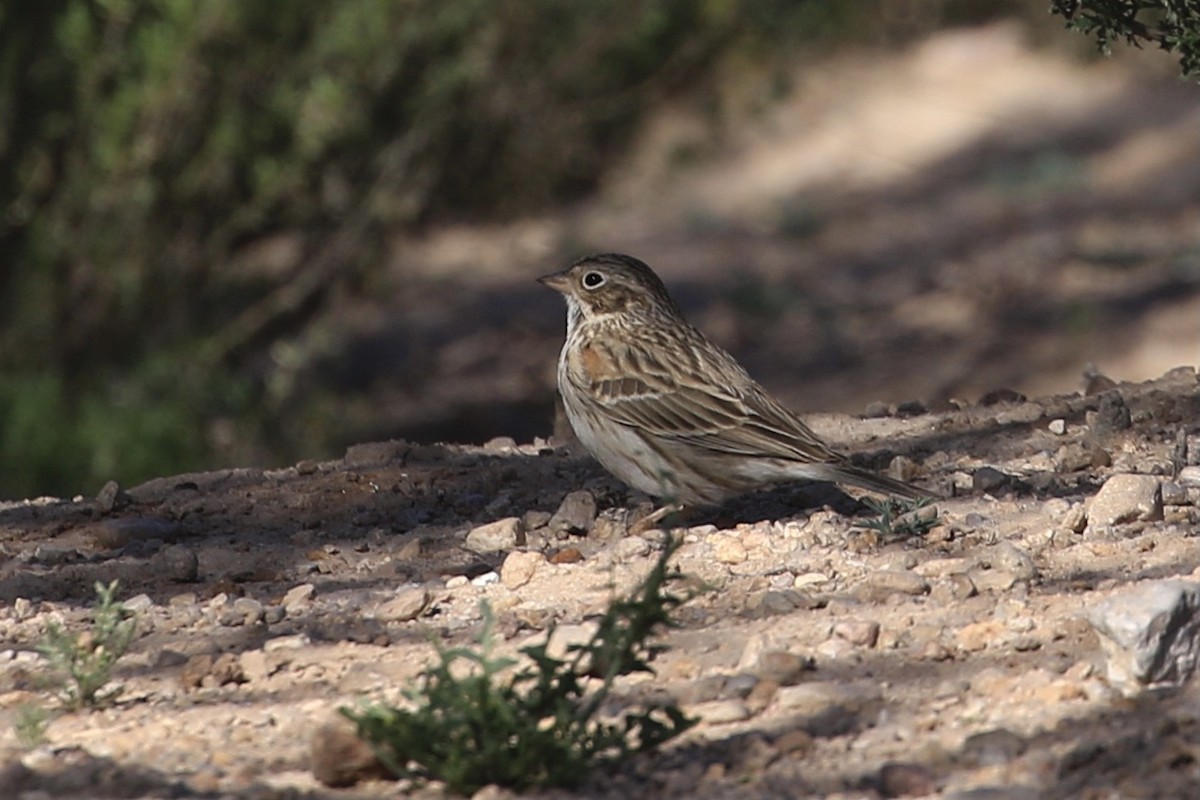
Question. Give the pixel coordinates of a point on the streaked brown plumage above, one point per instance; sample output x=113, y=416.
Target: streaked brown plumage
x=666, y=410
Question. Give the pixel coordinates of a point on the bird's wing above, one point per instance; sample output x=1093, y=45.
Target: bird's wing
x=703, y=397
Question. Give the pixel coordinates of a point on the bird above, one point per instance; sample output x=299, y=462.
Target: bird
x=667, y=411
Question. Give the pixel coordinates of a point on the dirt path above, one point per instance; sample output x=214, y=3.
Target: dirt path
x=961, y=657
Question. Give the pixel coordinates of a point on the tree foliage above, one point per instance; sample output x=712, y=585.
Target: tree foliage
x=153, y=150
x=1171, y=25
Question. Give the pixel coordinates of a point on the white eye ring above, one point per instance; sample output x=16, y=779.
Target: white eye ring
x=593, y=280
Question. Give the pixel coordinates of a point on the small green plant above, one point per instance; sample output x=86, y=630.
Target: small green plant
x=30, y=723
x=85, y=660
x=541, y=726
x=900, y=517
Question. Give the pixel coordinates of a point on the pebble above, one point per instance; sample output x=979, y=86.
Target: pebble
x=176, y=563
x=496, y=537
x=630, y=548
x=1125, y=498
x=486, y=579
x=906, y=780
x=1111, y=416
x=863, y=633
x=886, y=582
x=111, y=497
x=807, y=579
x=519, y=568
x=1150, y=633
x=977, y=636
x=830, y=708
x=255, y=665
x=1174, y=494
x=339, y=758
x=1021, y=414
x=298, y=597
x=575, y=515
x=137, y=603
x=1007, y=556
x=941, y=567
x=406, y=605
x=294, y=641
x=249, y=609
x=989, y=748
x=566, y=635
x=1057, y=426
x=719, y=712
x=952, y=588
x=782, y=667
x=728, y=550
x=987, y=480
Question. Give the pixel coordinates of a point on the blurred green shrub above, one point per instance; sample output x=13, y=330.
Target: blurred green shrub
x=149, y=149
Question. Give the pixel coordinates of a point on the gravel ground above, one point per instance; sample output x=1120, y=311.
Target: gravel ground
x=827, y=661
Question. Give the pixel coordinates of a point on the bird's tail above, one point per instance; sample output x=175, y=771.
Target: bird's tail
x=881, y=484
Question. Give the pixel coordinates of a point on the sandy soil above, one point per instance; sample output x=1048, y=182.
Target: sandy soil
x=828, y=661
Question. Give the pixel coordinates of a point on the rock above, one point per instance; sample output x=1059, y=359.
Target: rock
x=205, y=670
x=176, y=563
x=829, y=708
x=953, y=588
x=940, y=567
x=1112, y=415
x=876, y=410
x=1021, y=414
x=988, y=480
x=375, y=454
x=782, y=667
x=339, y=758
x=566, y=635
x=771, y=603
x=979, y=635
x=863, y=633
x=1007, y=556
x=719, y=712
x=567, y=555
x=519, y=567
x=255, y=665
x=249, y=609
x=1057, y=426
x=298, y=597
x=406, y=605
x=280, y=644
x=1125, y=498
x=497, y=537
x=1072, y=458
x=111, y=497
x=885, y=582
x=630, y=548
x=1174, y=494
x=1076, y=518
x=995, y=793
x=906, y=780
x=1150, y=633
x=728, y=549
x=137, y=603
x=1190, y=476
x=989, y=748
x=575, y=515
x=486, y=579
x=991, y=580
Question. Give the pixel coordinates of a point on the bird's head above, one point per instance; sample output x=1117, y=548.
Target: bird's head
x=610, y=283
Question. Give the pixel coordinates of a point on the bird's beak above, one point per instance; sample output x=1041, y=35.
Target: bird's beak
x=558, y=281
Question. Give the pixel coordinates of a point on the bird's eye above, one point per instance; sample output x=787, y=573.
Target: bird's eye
x=593, y=280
